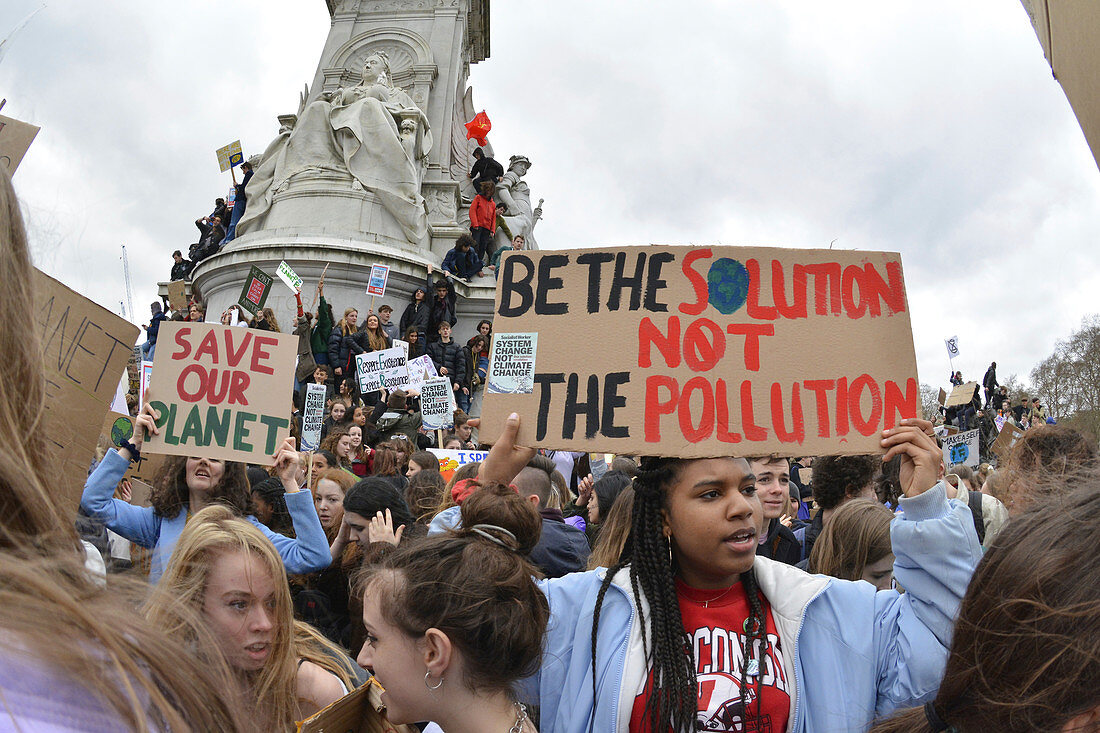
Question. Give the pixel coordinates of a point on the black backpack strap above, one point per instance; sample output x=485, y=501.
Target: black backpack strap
x=974, y=501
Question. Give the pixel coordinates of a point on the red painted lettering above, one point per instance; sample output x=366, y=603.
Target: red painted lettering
x=826, y=285
x=234, y=356
x=902, y=405
x=258, y=353
x=797, y=433
x=753, y=307
x=702, y=353
x=865, y=425
x=695, y=433
x=820, y=388
x=238, y=387
x=209, y=347
x=751, y=429
x=698, y=282
x=722, y=405
x=851, y=285
x=892, y=294
x=668, y=343
x=183, y=343
x=797, y=308
x=655, y=408
x=752, y=333
x=842, y=406
x=181, y=383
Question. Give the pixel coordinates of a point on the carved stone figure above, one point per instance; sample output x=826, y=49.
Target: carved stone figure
x=372, y=131
x=518, y=215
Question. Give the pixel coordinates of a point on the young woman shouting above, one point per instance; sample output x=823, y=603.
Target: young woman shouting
x=769, y=647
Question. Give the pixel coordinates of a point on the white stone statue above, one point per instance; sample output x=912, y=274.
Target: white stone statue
x=518, y=215
x=374, y=131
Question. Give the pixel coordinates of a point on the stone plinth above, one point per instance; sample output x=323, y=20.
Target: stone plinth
x=220, y=278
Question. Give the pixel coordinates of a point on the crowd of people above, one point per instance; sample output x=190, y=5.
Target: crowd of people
x=989, y=416
x=536, y=589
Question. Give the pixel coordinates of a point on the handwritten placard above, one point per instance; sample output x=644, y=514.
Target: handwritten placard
x=383, y=369
x=702, y=350
x=221, y=392
x=452, y=460
x=85, y=349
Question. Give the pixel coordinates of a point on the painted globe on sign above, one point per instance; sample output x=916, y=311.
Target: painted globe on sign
x=121, y=430
x=727, y=285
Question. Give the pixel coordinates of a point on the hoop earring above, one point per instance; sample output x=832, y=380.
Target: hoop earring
x=668, y=540
x=428, y=676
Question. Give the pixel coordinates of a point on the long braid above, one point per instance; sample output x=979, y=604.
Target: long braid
x=674, y=694
x=756, y=629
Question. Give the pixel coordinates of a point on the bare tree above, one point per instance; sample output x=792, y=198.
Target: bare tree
x=929, y=401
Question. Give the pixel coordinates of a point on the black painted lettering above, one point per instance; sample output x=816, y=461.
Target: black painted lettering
x=612, y=400
x=573, y=407
x=654, y=283
x=548, y=282
x=511, y=283
x=620, y=281
x=545, y=383
x=595, y=262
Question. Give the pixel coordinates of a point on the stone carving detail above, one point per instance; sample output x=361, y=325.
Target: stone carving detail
x=513, y=193
x=441, y=204
x=373, y=131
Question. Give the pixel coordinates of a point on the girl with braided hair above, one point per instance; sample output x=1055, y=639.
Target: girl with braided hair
x=689, y=630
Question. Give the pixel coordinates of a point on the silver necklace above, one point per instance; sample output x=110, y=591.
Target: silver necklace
x=521, y=716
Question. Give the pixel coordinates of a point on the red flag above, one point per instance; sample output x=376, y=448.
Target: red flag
x=479, y=127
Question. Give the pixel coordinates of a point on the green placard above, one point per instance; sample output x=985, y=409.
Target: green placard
x=255, y=290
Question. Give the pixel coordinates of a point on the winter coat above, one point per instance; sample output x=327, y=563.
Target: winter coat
x=562, y=548
x=483, y=213
x=306, y=364
x=398, y=422
x=416, y=316
x=780, y=545
x=323, y=329
x=153, y=330
x=442, y=310
x=449, y=355
x=851, y=654
x=338, y=349
x=462, y=264
x=181, y=270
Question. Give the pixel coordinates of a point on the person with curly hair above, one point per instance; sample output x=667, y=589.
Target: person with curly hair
x=836, y=479
x=186, y=484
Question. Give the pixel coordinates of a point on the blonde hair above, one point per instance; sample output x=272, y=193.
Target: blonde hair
x=92, y=638
x=212, y=532
x=343, y=324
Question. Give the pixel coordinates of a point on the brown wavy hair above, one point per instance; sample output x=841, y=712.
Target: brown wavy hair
x=1026, y=648
x=476, y=589
x=54, y=613
x=613, y=531
x=1046, y=460
x=170, y=495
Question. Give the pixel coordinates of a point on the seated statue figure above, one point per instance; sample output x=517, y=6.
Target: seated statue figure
x=374, y=131
x=518, y=215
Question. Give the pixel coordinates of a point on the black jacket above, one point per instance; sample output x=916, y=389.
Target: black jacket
x=487, y=168
x=181, y=270
x=989, y=381
x=416, y=316
x=781, y=544
x=338, y=349
x=562, y=548
x=442, y=310
x=813, y=529
x=449, y=356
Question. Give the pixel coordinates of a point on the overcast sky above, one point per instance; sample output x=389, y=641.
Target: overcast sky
x=934, y=129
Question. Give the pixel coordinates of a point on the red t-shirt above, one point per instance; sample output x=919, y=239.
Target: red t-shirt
x=716, y=629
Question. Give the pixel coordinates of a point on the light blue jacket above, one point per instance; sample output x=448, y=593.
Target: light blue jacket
x=307, y=553
x=856, y=654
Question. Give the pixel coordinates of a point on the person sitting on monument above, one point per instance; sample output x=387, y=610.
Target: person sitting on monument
x=518, y=243
x=461, y=260
x=486, y=169
x=181, y=268
x=212, y=233
x=149, y=347
x=483, y=220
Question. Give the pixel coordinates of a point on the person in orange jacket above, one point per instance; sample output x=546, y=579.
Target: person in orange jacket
x=483, y=221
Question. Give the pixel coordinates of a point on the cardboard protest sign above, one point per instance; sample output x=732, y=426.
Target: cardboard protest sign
x=942, y=397
x=1004, y=443
x=118, y=427
x=962, y=448
x=255, y=291
x=436, y=400
x=451, y=460
x=177, y=295
x=360, y=711
x=313, y=414
x=421, y=369
x=383, y=369
x=221, y=392
x=288, y=276
x=230, y=156
x=15, y=139
x=404, y=345
x=952, y=345
x=376, y=284
x=961, y=394
x=702, y=350
x=512, y=364
x=85, y=349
